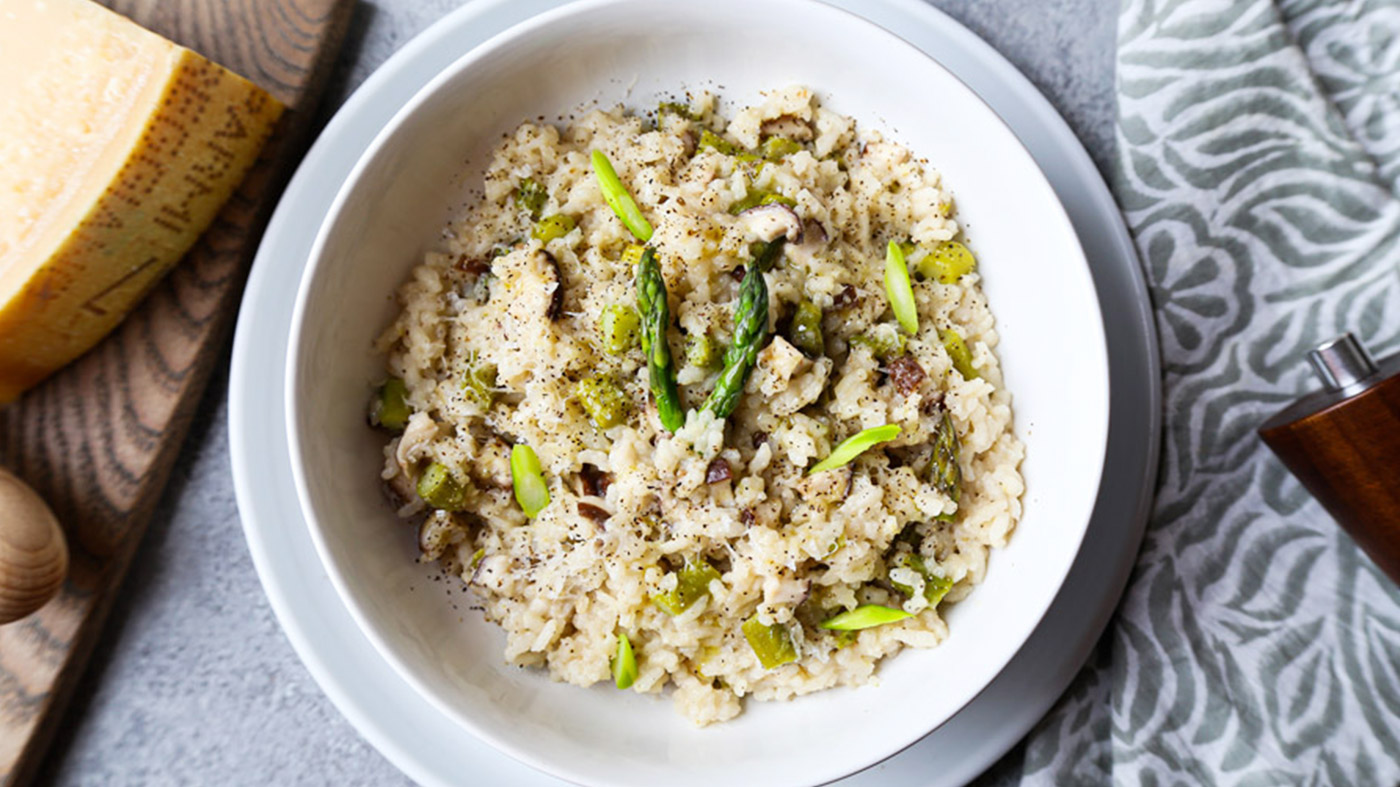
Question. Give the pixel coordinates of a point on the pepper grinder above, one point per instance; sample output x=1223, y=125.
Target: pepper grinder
x=1343, y=443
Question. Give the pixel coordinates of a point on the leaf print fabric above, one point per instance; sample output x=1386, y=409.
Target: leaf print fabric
x=1258, y=166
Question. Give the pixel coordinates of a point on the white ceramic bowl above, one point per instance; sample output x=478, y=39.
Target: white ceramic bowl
x=414, y=177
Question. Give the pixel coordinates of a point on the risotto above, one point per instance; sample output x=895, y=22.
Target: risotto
x=703, y=403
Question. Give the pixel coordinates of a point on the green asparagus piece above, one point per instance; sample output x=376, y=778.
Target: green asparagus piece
x=759, y=197
x=527, y=476
x=947, y=262
x=709, y=139
x=884, y=341
x=935, y=586
x=390, y=408
x=944, y=470
x=624, y=666
x=771, y=644
x=959, y=353
x=692, y=584
x=551, y=227
x=530, y=197
x=702, y=352
x=775, y=148
x=632, y=255
x=621, y=328
x=604, y=401
x=656, y=318
x=855, y=445
x=439, y=489
x=805, y=329
x=750, y=329
x=479, y=384
x=863, y=617
x=618, y=199
x=899, y=290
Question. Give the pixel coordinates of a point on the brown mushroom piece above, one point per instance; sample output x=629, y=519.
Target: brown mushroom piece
x=594, y=512
x=789, y=126
x=718, y=472
x=471, y=266
x=906, y=374
x=846, y=298
x=768, y=222
x=593, y=482
x=556, y=298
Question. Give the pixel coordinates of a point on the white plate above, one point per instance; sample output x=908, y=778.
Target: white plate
x=426, y=744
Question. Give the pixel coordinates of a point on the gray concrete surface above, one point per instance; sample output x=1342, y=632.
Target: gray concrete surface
x=194, y=682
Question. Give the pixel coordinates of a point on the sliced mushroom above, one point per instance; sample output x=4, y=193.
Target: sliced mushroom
x=417, y=436
x=718, y=472
x=471, y=266
x=906, y=374
x=492, y=465
x=846, y=298
x=767, y=222
x=437, y=532
x=595, y=512
x=789, y=126
x=593, y=482
x=556, y=297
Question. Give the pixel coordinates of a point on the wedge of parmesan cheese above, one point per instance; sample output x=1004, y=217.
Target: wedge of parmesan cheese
x=117, y=148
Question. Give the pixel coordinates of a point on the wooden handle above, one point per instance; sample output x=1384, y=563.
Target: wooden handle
x=33, y=552
x=1348, y=456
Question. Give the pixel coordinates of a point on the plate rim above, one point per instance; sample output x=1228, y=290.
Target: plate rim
x=420, y=46
x=1077, y=270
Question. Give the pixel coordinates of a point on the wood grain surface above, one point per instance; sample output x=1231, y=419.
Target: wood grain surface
x=97, y=440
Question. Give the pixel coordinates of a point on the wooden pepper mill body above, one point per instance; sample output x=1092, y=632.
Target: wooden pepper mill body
x=1344, y=446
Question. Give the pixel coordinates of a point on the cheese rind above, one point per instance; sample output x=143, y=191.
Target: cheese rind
x=117, y=150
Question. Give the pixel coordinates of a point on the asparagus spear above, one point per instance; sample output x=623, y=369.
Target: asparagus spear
x=750, y=329
x=618, y=199
x=944, y=471
x=624, y=665
x=656, y=318
x=863, y=617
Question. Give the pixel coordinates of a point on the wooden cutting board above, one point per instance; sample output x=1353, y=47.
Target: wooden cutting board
x=98, y=439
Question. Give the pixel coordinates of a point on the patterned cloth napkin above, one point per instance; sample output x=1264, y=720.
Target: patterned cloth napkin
x=1258, y=166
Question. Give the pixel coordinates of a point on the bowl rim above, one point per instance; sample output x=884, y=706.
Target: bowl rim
x=294, y=409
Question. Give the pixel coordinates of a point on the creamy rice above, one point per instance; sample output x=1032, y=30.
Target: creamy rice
x=630, y=504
